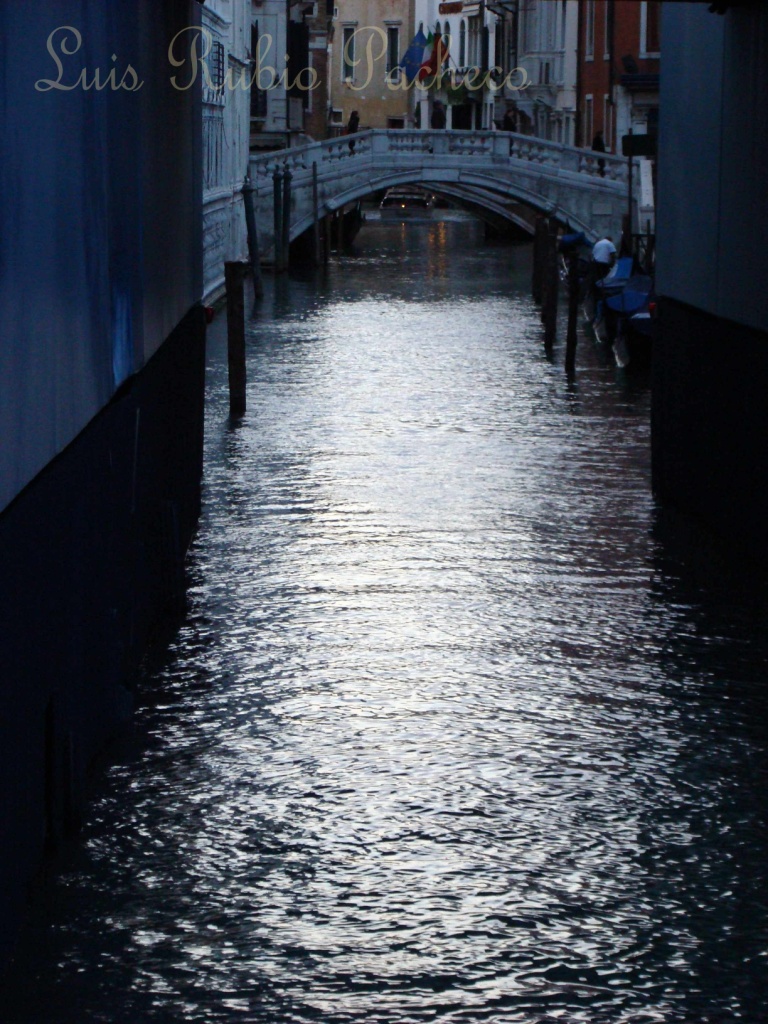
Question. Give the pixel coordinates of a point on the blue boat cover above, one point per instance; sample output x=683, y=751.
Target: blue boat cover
x=619, y=276
x=633, y=297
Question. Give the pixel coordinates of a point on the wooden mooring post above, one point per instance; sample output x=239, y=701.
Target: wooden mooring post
x=315, y=217
x=551, y=282
x=277, y=213
x=286, y=246
x=234, y=272
x=327, y=229
x=537, y=276
x=571, y=337
x=253, y=237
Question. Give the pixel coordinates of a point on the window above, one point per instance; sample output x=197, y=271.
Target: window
x=561, y=43
x=589, y=122
x=393, y=47
x=258, y=95
x=473, y=48
x=213, y=80
x=216, y=64
x=607, y=19
x=463, y=44
x=447, y=44
x=650, y=15
x=607, y=121
x=213, y=146
x=348, y=54
x=589, y=30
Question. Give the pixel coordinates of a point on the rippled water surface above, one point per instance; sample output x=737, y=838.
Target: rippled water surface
x=448, y=734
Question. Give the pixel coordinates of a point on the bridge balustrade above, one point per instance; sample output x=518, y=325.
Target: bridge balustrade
x=444, y=142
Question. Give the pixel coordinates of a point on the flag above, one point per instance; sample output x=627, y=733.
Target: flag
x=435, y=55
x=413, y=57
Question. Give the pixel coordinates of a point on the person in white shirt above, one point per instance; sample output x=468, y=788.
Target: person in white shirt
x=603, y=259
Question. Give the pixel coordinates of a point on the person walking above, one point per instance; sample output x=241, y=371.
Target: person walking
x=438, y=115
x=352, y=126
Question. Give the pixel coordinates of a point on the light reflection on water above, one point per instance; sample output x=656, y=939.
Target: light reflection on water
x=445, y=736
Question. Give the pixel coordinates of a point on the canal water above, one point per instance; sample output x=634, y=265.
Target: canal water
x=457, y=727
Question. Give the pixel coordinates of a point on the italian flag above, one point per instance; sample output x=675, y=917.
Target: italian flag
x=435, y=55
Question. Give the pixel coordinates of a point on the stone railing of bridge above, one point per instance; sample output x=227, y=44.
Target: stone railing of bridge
x=582, y=188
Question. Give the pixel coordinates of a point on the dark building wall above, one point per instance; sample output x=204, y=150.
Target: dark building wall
x=710, y=430
x=101, y=370
x=92, y=553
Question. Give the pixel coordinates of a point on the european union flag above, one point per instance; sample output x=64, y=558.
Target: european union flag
x=414, y=57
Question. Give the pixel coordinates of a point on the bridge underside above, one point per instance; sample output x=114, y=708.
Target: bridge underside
x=489, y=198
x=496, y=212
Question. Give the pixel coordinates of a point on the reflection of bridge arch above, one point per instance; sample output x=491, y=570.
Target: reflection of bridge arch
x=490, y=170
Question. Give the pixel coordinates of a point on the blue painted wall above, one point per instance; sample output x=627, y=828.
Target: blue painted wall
x=100, y=197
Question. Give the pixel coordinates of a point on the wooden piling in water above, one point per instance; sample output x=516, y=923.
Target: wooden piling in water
x=277, y=212
x=315, y=217
x=286, y=246
x=234, y=273
x=327, y=228
x=551, y=282
x=543, y=279
x=538, y=252
x=571, y=337
x=253, y=237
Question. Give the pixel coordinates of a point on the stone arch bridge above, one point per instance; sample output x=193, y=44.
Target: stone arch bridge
x=501, y=175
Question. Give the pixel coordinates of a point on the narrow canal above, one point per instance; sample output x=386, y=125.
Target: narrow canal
x=450, y=732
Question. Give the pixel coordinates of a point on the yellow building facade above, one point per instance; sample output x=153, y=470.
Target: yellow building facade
x=369, y=39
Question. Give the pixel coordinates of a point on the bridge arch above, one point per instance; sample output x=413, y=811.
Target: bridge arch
x=478, y=189
x=490, y=170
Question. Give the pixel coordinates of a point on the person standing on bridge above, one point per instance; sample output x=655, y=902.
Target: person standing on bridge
x=352, y=125
x=438, y=115
x=598, y=145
